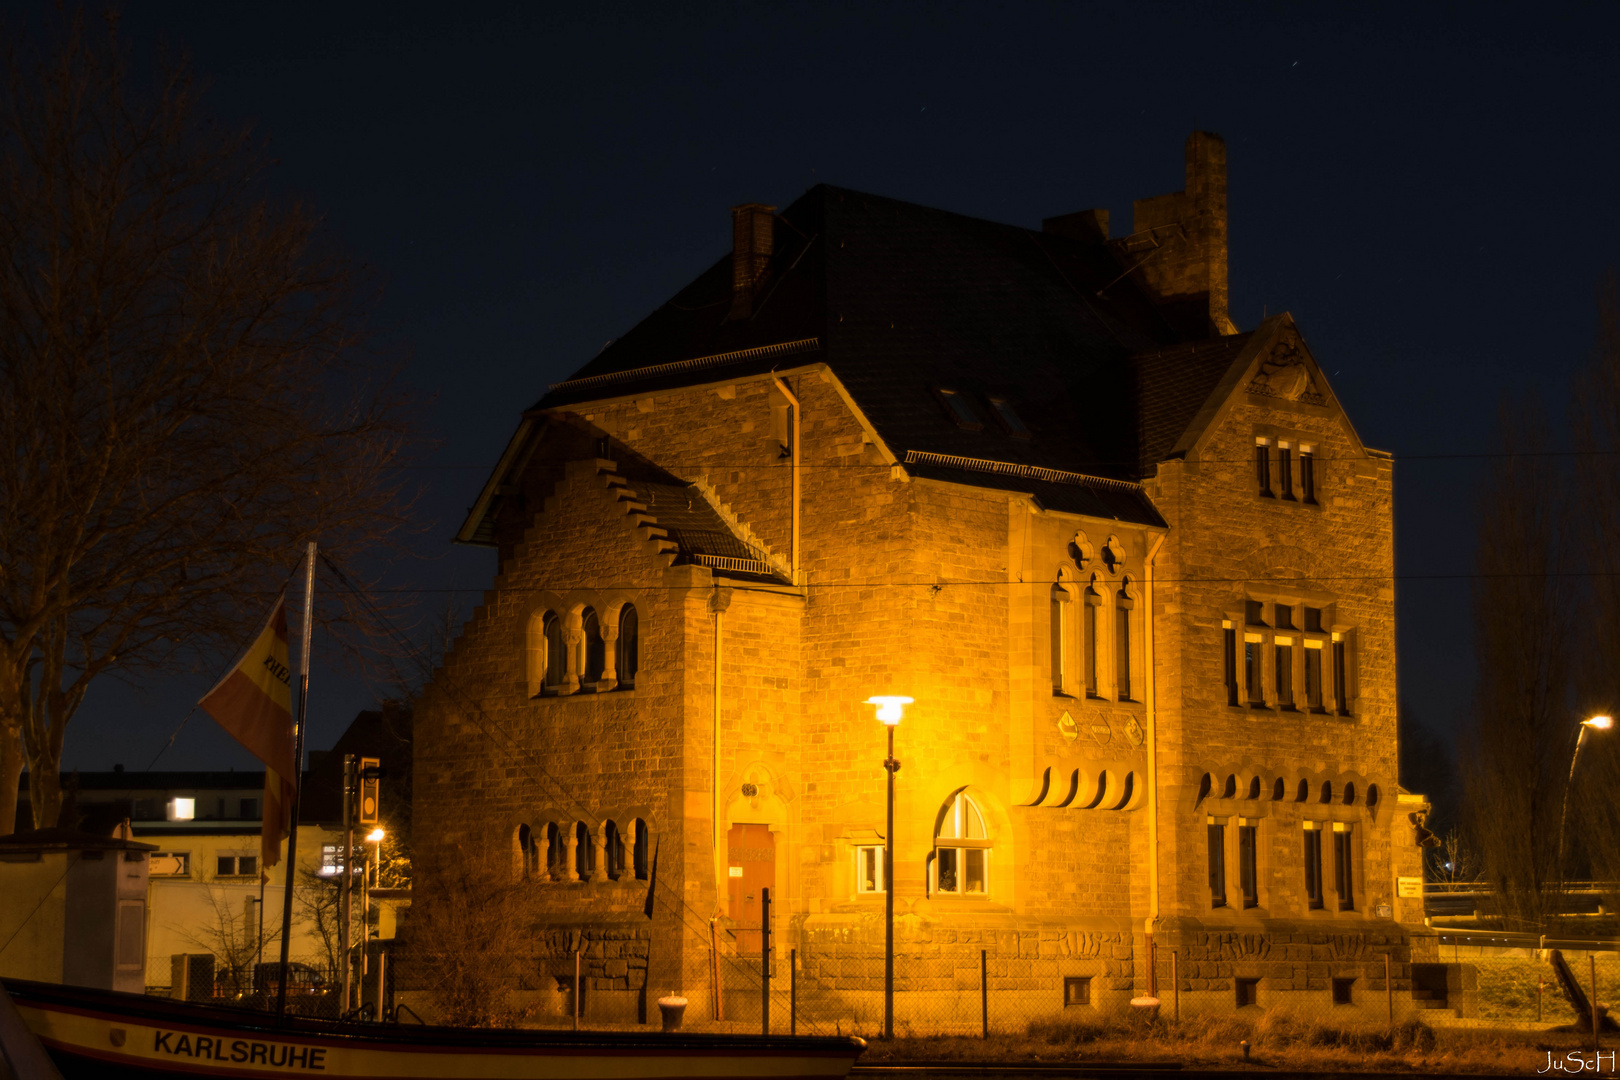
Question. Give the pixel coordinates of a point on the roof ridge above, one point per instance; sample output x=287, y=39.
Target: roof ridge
x=785, y=348
x=1038, y=472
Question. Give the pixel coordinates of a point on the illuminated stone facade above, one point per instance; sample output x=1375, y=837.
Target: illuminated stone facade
x=1004, y=473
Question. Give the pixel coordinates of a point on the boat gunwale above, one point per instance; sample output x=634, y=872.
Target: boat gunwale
x=115, y=1006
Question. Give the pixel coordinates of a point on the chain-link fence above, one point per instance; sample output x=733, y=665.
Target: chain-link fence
x=311, y=989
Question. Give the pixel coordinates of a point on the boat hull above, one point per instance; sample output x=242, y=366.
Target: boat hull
x=94, y=1033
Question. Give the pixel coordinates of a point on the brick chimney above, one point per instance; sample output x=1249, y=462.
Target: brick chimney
x=753, y=228
x=1179, y=241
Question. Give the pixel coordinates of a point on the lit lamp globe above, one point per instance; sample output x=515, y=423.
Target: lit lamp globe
x=375, y=836
x=889, y=708
x=1602, y=723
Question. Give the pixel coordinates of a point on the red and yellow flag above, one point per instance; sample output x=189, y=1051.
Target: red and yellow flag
x=253, y=703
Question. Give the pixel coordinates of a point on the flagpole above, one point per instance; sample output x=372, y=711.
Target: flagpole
x=291, y=862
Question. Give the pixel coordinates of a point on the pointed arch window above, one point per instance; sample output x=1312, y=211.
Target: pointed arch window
x=961, y=849
x=627, y=648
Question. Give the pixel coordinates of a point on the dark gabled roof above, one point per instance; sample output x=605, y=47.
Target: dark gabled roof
x=1172, y=385
x=168, y=780
x=29, y=840
x=901, y=300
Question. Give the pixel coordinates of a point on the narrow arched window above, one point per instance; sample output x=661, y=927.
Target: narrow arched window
x=595, y=658
x=556, y=661
x=628, y=646
x=556, y=851
x=961, y=850
x=641, y=855
x=613, y=848
x=584, y=851
x=528, y=853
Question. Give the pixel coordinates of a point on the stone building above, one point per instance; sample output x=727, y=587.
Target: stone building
x=1133, y=564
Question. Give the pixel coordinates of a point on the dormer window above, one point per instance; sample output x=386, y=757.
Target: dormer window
x=960, y=409
x=1009, y=418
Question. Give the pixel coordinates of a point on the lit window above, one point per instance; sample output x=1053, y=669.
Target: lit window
x=869, y=869
x=961, y=409
x=962, y=850
x=181, y=809
x=1009, y=418
x=331, y=861
x=170, y=864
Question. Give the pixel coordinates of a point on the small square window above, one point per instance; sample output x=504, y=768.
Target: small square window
x=1248, y=991
x=250, y=809
x=227, y=866
x=1077, y=990
x=247, y=864
x=1341, y=991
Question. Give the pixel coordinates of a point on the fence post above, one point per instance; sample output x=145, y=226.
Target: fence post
x=765, y=961
x=1175, y=981
x=793, y=991
x=1541, y=988
x=578, y=990
x=1389, y=989
x=1591, y=958
x=984, y=991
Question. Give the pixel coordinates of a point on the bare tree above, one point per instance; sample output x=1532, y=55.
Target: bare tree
x=1514, y=777
x=232, y=935
x=1454, y=860
x=185, y=400
x=472, y=947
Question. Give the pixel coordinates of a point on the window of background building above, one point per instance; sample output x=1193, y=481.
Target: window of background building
x=1313, y=865
x=237, y=865
x=1343, y=881
x=1285, y=469
x=961, y=850
x=250, y=809
x=869, y=869
x=1216, y=830
x=1262, y=466
x=627, y=649
x=1248, y=861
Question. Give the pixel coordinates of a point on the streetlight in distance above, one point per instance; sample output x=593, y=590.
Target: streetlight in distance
x=1591, y=723
x=889, y=710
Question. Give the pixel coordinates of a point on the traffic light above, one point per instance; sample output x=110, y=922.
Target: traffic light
x=371, y=774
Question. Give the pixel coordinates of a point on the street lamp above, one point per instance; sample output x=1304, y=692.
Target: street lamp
x=889, y=711
x=1599, y=723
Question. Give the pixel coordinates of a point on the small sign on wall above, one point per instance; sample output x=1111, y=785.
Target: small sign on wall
x=1384, y=911
x=736, y=871
x=1409, y=888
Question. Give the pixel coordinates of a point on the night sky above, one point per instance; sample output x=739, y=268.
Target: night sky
x=1430, y=190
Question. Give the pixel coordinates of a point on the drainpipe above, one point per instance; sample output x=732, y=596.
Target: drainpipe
x=1153, y=772
x=793, y=404
x=717, y=604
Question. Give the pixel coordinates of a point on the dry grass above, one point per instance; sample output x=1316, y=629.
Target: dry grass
x=1278, y=1039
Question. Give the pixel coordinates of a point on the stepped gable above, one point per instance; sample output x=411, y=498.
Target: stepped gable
x=899, y=299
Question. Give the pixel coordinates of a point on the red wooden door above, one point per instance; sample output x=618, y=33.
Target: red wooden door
x=750, y=868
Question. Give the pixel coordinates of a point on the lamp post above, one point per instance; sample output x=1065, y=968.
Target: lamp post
x=1600, y=723
x=889, y=710
x=375, y=839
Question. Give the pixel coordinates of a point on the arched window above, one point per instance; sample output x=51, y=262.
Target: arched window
x=595, y=658
x=556, y=851
x=528, y=854
x=628, y=647
x=584, y=852
x=556, y=661
x=1060, y=639
x=961, y=850
x=1122, y=642
x=613, y=848
x=641, y=854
